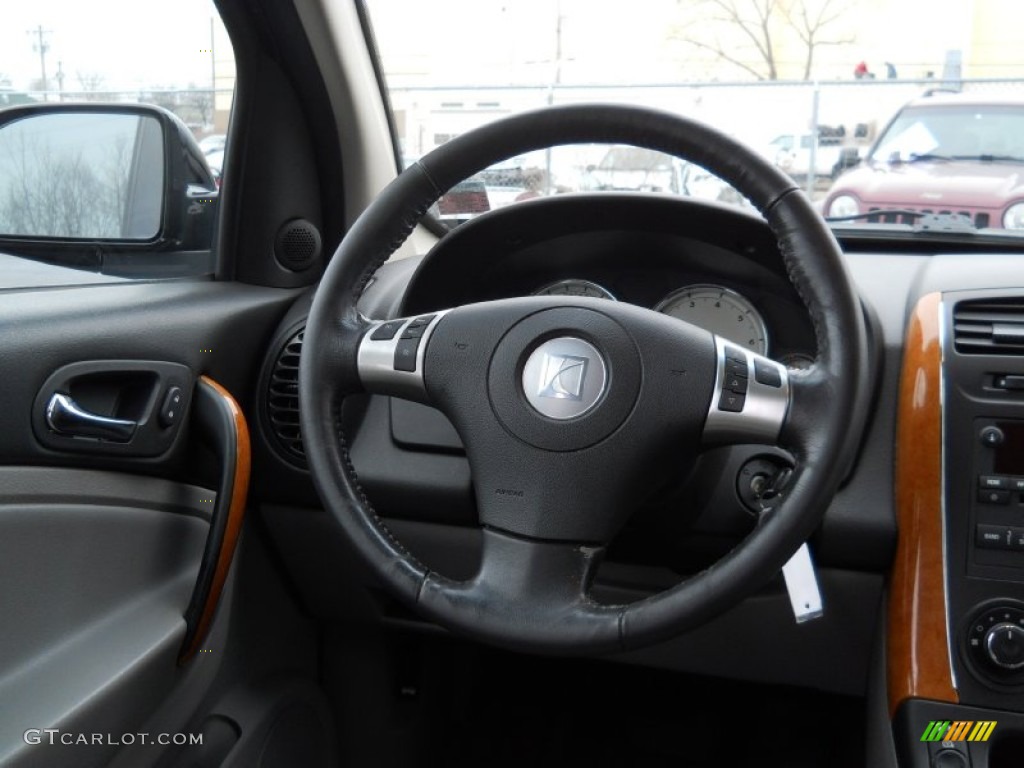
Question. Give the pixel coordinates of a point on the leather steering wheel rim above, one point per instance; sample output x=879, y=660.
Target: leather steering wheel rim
x=532, y=593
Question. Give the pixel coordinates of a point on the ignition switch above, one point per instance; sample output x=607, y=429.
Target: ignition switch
x=760, y=483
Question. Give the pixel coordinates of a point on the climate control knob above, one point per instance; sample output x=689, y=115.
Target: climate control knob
x=1004, y=645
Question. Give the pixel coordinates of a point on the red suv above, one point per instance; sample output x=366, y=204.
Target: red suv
x=942, y=154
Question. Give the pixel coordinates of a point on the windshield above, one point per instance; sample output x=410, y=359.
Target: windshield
x=954, y=132
x=810, y=85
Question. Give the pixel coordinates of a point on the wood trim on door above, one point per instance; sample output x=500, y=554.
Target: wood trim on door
x=223, y=425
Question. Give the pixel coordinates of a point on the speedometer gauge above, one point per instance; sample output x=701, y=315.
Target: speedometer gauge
x=719, y=310
x=575, y=288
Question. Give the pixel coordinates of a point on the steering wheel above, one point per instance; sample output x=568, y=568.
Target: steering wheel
x=572, y=409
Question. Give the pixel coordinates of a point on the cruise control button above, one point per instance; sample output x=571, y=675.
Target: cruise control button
x=993, y=537
x=986, y=496
x=731, y=353
x=767, y=374
x=413, y=331
x=386, y=331
x=405, y=355
x=737, y=384
x=423, y=320
x=993, y=481
x=731, y=401
x=736, y=368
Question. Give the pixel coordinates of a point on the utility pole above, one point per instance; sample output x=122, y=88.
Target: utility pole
x=213, y=75
x=41, y=46
x=556, y=81
x=60, y=79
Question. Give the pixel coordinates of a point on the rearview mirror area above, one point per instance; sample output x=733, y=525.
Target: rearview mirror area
x=91, y=175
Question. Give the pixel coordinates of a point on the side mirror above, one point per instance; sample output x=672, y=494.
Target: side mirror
x=118, y=178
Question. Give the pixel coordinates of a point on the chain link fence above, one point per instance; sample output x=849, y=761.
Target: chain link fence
x=777, y=118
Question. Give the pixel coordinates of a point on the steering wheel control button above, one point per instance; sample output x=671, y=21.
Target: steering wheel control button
x=745, y=408
x=389, y=356
x=731, y=401
x=767, y=374
x=736, y=368
x=737, y=384
x=564, y=378
x=405, y=354
x=991, y=436
x=386, y=331
x=170, y=410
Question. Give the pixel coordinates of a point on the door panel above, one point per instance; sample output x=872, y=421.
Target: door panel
x=101, y=550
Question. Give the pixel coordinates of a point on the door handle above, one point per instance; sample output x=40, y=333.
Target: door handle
x=66, y=417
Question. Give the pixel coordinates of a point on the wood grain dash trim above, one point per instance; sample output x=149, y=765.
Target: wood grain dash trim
x=918, y=651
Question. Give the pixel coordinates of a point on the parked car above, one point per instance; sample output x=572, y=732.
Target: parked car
x=942, y=154
x=792, y=153
x=215, y=142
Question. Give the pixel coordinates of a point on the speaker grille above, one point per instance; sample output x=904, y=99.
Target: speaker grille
x=297, y=245
x=283, y=400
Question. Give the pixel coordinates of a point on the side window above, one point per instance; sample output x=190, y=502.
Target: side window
x=805, y=142
x=112, y=139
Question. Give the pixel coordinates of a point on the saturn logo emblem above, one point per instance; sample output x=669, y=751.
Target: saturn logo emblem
x=564, y=378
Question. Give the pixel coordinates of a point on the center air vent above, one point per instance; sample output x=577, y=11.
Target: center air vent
x=989, y=326
x=283, y=400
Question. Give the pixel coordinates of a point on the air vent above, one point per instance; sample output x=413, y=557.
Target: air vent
x=283, y=400
x=989, y=326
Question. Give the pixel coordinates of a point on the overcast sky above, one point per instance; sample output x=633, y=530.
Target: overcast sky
x=103, y=37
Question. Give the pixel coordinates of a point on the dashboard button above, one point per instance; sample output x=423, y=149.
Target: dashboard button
x=1016, y=483
x=993, y=481
x=991, y=436
x=1017, y=539
x=993, y=537
x=988, y=496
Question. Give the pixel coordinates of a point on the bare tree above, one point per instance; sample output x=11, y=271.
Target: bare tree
x=749, y=33
x=90, y=83
x=199, y=102
x=809, y=20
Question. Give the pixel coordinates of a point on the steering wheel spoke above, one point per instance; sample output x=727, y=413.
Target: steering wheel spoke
x=391, y=355
x=543, y=586
x=751, y=398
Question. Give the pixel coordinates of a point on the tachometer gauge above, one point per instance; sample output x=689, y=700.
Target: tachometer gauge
x=719, y=310
x=575, y=288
